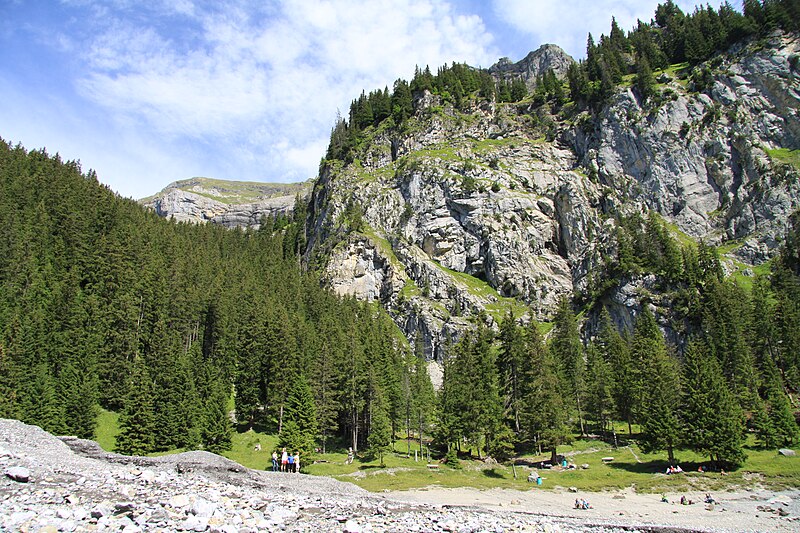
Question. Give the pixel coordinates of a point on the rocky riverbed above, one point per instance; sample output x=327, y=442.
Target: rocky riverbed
x=65, y=484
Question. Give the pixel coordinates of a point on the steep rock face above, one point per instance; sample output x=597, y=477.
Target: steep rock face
x=230, y=204
x=461, y=214
x=534, y=65
x=701, y=159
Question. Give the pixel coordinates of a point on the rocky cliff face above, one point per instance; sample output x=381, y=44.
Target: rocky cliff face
x=702, y=159
x=488, y=210
x=228, y=203
x=534, y=65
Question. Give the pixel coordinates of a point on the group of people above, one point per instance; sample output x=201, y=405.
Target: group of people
x=288, y=462
x=674, y=470
x=580, y=503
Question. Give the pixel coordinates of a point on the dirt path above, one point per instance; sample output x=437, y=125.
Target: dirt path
x=752, y=510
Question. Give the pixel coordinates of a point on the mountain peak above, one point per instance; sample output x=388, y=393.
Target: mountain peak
x=534, y=65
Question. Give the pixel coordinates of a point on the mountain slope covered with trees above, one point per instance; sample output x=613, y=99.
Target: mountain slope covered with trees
x=613, y=247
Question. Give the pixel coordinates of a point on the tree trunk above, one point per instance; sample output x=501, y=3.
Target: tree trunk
x=553, y=456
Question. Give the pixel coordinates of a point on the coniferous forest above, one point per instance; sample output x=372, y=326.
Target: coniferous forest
x=174, y=326
x=103, y=303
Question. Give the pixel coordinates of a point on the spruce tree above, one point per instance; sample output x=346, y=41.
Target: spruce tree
x=423, y=399
x=379, y=440
x=509, y=364
x=8, y=394
x=567, y=350
x=544, y=417
x=712, y=420
x=43, y=409
x=599, y=388
x=217, y=426
x=136, y=422
x=624, y=374
x=300, y=419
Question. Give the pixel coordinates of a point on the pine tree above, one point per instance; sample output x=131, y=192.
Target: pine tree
x=136, y=422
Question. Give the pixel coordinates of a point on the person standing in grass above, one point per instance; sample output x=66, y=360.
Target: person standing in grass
x=274, y=461
x=284, y=460
x=297, y=462
x=291, y=463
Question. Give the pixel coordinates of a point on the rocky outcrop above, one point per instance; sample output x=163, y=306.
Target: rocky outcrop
x=230, y=204
x=534, y=65
x=475, y=214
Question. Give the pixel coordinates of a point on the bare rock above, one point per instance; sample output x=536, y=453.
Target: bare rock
x=18, y=474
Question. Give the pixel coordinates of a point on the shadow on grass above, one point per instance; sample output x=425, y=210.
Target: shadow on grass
x=492, y=473
x=258, y=428
x=660, y=467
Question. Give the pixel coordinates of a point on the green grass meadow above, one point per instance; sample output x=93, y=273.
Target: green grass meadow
x=630, y=467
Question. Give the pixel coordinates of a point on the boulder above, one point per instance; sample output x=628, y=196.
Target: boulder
x=18, y=474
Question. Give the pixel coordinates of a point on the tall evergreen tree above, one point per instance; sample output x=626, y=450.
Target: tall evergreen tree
x=300, y=429
x=136, y=422
x=713, y=421
x=380, y=435
x=566, y=348
x=544, y=417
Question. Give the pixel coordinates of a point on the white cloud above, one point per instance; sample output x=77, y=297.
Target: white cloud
x=568, y=24
x=264, y=82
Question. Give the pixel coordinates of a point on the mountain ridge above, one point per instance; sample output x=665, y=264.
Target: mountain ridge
x=228, y=203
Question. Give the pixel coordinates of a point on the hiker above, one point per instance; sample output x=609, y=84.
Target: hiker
x=290, y=468
x=709, y=499
x=274, y=461
x=664, y=498
x=297, y=462
x=284, y=460
x=349, y=456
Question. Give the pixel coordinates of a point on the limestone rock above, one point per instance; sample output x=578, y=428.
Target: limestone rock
x=534, y=65
x=230, y=204
x=18, y=474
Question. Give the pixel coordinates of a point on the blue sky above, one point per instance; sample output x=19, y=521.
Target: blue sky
x=147, y=93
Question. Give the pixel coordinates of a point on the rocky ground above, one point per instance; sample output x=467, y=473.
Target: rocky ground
x=66, y=484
